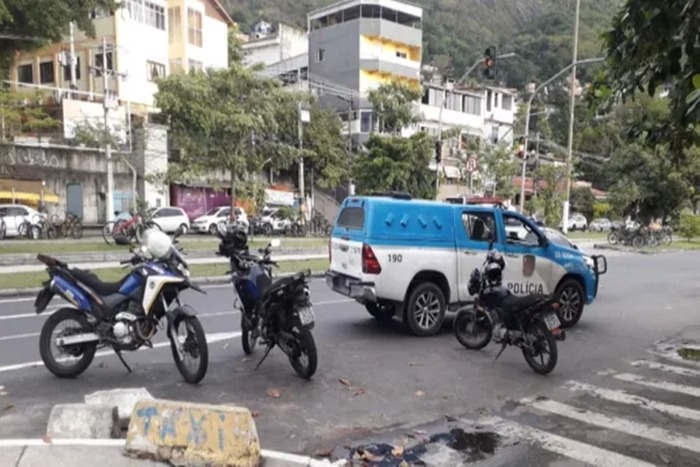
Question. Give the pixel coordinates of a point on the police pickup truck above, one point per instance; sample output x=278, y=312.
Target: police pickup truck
x=412, y=259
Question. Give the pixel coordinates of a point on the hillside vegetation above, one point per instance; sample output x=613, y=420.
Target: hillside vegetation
x=539, y=31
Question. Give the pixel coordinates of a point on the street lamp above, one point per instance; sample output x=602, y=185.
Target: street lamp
x=528, y=114
x=480, y=61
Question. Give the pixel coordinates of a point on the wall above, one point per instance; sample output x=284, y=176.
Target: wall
x=341, y=63
x=155, y=161
x=59, y=166
x=77, y=112
x=214, y=49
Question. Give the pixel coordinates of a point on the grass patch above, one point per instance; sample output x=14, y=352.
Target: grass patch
x=34, y=279
x=684, y=245
x=689, y=353
x=59, y=247
x=587, y=235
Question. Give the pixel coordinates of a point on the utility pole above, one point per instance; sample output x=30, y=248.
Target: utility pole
x=72, y=62
x=438, y=147
x=302, y=117
x=572, y=103
x=108, y=145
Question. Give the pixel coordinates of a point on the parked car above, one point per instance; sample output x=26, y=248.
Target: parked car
x=15, y=215
x=169, y=219
x=577, y=221
x=215, y=216
x=600, y=225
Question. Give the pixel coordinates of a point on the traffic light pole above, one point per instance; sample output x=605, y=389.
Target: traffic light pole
x=529, y=108
x=481, y=61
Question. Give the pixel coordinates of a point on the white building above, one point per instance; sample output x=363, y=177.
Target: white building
x=268, y=46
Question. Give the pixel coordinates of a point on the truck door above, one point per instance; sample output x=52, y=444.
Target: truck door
x=528, y=270
x=474, y=229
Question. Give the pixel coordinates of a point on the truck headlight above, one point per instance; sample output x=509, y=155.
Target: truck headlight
x=589, y=261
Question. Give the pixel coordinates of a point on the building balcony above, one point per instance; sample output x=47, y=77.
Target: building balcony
x=396, y=32
x=393, y=67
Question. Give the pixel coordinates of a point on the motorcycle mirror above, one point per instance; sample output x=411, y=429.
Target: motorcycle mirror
x=179, y=232
x=275, y=243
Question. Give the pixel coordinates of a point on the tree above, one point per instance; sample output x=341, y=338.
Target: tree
x=23, y=112
x=221, y=120
x=235, y=46
x=393, y=163
x=549, y=197
x=31, y=24
x=623, y=196
x=394, y=106
x=582, y=200
x=654, y=43
x=498, y=166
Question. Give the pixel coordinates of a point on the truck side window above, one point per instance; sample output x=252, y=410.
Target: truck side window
x=518, y=232
x=479, y=226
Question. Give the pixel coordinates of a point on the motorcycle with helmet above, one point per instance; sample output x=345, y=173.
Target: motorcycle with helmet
x=277, y=313
x=528, y=322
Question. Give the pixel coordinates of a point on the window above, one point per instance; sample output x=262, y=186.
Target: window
x=371, y=11
x=155, y=70
x=335, y=18
x=46, y=74
x=496, y=98
x=389, y=14
x=479, y=226
x=426, y=96
x=135, y=8
x=408, y=20
x=25, y=73
x=365, y=122
x=401, y=54
x=99, y=62
x=224, y=212
x=472, y=105
x=194, y=27
x=321, y=56
x=351, y=13
x=195, y=65
x=66, y=70
x=507, y=102
x=154, y=15
x=489, y=97
x=174, y=25
x=352, y=218
x=495, y=134
x=518, y=232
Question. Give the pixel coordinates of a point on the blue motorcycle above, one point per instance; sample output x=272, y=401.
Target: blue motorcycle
x=278, y=313
x=122, y=315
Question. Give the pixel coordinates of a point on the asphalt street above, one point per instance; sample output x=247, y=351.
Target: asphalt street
x=374, y=382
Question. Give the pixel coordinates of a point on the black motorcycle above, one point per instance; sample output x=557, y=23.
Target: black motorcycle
x=529, y=322
x=276, y=313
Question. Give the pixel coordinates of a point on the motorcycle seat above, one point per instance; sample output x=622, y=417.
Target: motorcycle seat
x=91, y=280
x=516, y=303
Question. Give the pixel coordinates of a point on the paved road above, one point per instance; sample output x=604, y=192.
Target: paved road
x=395, y=380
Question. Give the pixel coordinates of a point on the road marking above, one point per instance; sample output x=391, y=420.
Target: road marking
x=623, y=397
x=665, y=385
x=19, y=336
x=622, y=425
x=27, y=315
x=211, y=339
x=679, y=370
x=558, y=444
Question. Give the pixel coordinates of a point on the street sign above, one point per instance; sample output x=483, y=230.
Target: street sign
x=472, y=164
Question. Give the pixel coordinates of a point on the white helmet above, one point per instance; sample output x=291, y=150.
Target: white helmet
x=157, y=243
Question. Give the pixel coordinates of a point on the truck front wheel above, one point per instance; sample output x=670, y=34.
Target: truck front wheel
x=425, y=309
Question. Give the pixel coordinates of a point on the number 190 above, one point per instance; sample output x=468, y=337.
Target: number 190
x=395, y=258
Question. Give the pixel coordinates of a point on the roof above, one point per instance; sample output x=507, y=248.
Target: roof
x=217, y=4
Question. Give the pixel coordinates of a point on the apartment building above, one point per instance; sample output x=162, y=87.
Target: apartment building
x=146, y=40
x=269, y=44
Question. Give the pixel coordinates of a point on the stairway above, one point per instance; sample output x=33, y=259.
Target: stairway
x=326, y=202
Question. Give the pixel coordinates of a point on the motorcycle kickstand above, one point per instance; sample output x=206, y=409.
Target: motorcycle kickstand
x=121, y=358
x=503, y=347
x=267, y=352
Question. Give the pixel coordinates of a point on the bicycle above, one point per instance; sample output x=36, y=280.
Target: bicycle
x=69, y=225
x=28, y=230
x=132, y=229
x=45, y=228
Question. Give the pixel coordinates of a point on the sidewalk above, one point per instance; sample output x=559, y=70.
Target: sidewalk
x=108, y=453
x=14, y=269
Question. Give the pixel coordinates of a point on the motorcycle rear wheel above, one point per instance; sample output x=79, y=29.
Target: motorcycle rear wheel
x=480, y=333
x=84, y=352
x=307, y=348
x=543, y=337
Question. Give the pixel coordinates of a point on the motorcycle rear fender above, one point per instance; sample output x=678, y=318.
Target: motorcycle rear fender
x=181, y=310
x=44, y=297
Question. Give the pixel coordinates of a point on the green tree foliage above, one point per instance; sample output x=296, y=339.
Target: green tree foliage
x=690, y=226
x=31, y=24
x=497, y=165
x=393, y=163
x=582, y=200
x=23, y=113
x=394, y=106
x=549, y=197
x=235, y=45
x=623, y=196
x=653, y=43
x=601, y=210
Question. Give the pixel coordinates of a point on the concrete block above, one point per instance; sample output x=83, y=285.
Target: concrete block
x=10, y=455
x=185, y=433
x=124, y=399
x=83, y=421
x=78, y=456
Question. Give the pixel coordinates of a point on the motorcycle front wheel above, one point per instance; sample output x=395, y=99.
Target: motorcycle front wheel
x=542, y=357
x=472, y=330
x=305, y=359
x=189, y=348
x=247, y=340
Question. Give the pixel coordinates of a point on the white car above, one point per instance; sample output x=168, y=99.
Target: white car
x=169, y=219
x=576, y=222
x=600, y=225
x=209, y=222
x=15, y=215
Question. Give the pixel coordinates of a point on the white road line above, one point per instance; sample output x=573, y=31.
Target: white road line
x=211, y=339
x=558, y=444
x=665, y=385
x=622, y=425
x=19, y=336
x=624, y=397
x=679, y=370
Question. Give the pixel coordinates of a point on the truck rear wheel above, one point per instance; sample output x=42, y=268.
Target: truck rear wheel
x=382, y=312
x=425, y=309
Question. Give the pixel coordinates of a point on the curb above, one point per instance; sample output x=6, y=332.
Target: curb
x=211, y=280
x=267, y=457
x=624, y=249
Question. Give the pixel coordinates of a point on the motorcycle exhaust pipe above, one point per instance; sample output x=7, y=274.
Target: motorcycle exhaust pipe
x=561, y=335
x=77, y=339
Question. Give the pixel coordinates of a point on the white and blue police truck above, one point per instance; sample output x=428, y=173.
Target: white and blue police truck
x=412, y=259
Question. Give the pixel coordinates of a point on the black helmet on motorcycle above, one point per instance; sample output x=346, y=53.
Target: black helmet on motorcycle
x=234, y=238
x=493, y=272
x=474, y=284
x=494, y=256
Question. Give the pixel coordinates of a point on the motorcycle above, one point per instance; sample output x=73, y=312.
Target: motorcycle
x=528, y=322
x=122, y=315
x=276, y=313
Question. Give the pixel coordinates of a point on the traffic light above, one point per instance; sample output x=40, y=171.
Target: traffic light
x=438, y=151
x=520, y=149
x=490, y=62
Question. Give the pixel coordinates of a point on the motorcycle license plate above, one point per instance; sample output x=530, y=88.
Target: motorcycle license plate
x=551, y=321
x=307, y=316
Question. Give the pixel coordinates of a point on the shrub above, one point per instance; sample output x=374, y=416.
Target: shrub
x=689, y=226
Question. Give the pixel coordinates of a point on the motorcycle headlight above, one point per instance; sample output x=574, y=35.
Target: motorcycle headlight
x=185, y=272
x=589, y=261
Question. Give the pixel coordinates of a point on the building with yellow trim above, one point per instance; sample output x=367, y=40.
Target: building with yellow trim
x=362, y=44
